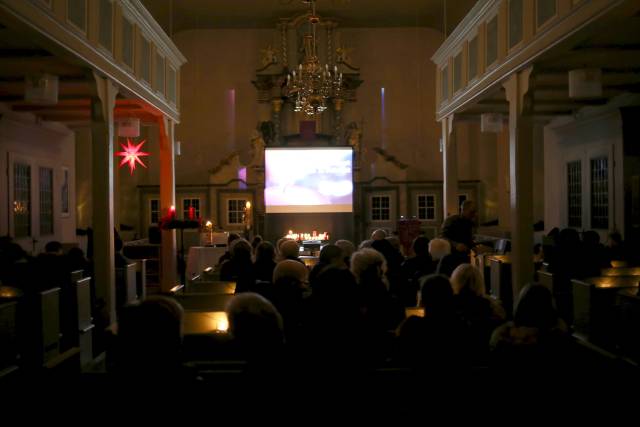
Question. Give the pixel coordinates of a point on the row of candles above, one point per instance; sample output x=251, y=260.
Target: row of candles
x=191, y=215
x=308, y=236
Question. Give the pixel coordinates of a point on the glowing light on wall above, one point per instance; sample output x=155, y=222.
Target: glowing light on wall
x=383, y=118
x=131, y=155
x=231, y=118
x=242, y=176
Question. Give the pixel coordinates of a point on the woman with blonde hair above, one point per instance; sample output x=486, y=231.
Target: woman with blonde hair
x=479, y=312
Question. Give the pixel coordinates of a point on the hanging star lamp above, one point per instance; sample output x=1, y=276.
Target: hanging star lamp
x=131, y=155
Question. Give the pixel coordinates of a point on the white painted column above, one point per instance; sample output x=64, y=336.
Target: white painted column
x=504, y=189
x=102, y=135
x=449, y=167
x=521, y=177
x=168, y=261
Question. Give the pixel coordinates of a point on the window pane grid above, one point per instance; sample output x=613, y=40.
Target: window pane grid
x=574, y=193
x=599, y=193
x=46, y=201
x=380, y=208
x=22, y=200
x=190, y=203
x=154, y=209
x=427, y=207
x=235, y=211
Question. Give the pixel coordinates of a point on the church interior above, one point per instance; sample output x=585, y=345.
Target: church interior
x=209, y=191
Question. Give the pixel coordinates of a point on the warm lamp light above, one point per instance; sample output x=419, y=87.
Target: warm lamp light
x=248, y=205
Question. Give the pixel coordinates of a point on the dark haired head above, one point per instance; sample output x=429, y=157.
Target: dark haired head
x=535, y=308
x=420, y=245
x=436, y=294
x=53, y=247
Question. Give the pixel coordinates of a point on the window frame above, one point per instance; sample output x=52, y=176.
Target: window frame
x=238, y=211
x=569, y=194
x=426, y=207
x=185, y=209
x=51, y=199
x=604, y=191
x=381, y=208
x=151, y=211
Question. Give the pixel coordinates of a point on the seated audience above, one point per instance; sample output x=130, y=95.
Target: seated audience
x=480, y=314
x=395, y=277
x=264, y=264
x=347, y=250
x=227, y=255
x=290, y=293
x=256, y=327
x=330, y=257
x=379, y=234
x=239, y=268
x=149, y=340
x=537, y=337
x=439, y=339
x=290, y=249
x=380, y=310
x=77, y=261
x=416, y=267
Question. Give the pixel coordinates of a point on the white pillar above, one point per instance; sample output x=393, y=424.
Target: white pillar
x=449, y=167
x=168, y=262
x=521, y=177
x=102, y=135
x=504, y=189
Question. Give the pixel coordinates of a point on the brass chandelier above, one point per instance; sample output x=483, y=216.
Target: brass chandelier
x=312, y=85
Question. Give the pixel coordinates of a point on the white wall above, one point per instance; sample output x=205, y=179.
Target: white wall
x=39, y=144
x=569, y=139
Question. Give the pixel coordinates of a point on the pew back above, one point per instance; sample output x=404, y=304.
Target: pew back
x=595, y=302
x=85, y=321
x=126, y=292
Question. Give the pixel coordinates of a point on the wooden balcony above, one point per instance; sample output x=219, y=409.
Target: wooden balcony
x=117, y=39
x=500, y=37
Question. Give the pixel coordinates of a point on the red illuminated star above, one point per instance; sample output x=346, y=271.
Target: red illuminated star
x=131, y=154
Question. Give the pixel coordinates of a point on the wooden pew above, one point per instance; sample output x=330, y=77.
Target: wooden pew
x=126, y=292
x=141, y=279
x=501, y=286
x=84, y=321
x=203, y=301
x=629, y=325
x=562, y=293
x=68, y=309
x=9, y=351
x=620, y=271
x=483, y=264
x=594, y=306
x=50, y=324
x=211, y=287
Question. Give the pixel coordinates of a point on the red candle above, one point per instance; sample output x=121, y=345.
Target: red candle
x=192, y=213
x=172, y=212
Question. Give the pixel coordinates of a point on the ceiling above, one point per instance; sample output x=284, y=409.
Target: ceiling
x=180, y=15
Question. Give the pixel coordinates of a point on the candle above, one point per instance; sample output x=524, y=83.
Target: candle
x=172, y=212
x=192, y=213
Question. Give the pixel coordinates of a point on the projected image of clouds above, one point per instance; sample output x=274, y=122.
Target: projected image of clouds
x=308, y=180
